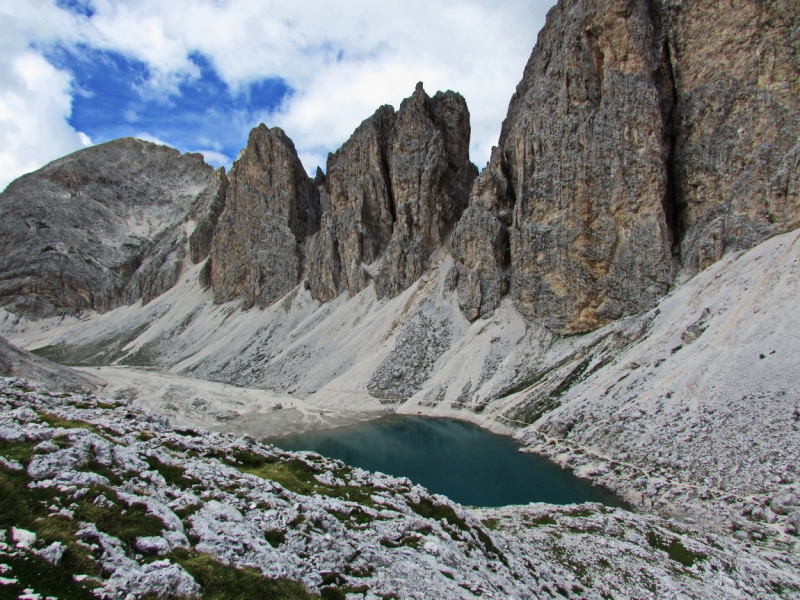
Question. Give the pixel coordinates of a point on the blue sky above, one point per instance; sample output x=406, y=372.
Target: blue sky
x=199, y=74
x=112, y=101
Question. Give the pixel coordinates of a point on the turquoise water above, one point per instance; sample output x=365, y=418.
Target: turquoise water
x=459, y=460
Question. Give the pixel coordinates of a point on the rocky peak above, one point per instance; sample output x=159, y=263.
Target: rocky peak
x=397, y=187
x=101, y=227
x=271, y=207
x=629, y=153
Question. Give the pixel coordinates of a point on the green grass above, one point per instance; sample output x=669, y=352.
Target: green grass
x=539, y=521
x=675, y=549
x=224, y=582
x=46, y=579
x=275, y=537
x=491, y=524
x=172, y=474
x=427, y=509
x=56, y=421
x=27, y=509
x=126, y=522
x=297, y=476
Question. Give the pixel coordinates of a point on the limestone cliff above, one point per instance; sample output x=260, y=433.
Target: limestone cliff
x=101, y=227
x=271, y=207
x=737, y=123
x=397, y=188
x=644, y=136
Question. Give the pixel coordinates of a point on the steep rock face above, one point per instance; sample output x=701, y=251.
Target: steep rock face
x=644, y=136
x=397, y=188
x=481, y=243
x=737, y=153
x=101, y=227
x=271, y=207
x=587, y=158
x=357, y=226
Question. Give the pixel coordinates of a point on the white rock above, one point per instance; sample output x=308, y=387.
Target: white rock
x=53, y=553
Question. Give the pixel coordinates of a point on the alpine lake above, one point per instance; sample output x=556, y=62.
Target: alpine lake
x=469, y=465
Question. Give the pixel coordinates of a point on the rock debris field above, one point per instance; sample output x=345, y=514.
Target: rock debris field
x=101, y=499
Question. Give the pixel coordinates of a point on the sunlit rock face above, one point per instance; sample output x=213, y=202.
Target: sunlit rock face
x=643, y=137
x=271, y=207
x=397, y=188
x=105, y=226
x=737, y=123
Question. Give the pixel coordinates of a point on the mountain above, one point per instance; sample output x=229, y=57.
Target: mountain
x=617, y=287
x=104, y=227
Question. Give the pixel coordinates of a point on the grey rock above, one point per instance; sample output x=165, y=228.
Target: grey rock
x=586, y=150
x=271, y=207
x=481, y=242
x=397, y=187
x=640, y=139
x=99, y=228
x=153, y=545
x=737, y=123
x=420, y=343
x=53, y=553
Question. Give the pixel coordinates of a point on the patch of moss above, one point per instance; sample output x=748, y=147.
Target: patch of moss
x=491, y=524
x=427, y=509
x=275, y=537
x=542, y=520
x=355, y=517
x=359, y=571
x=95, y=466
x=20, y=451
x=37, y=574
x=226, y=582
x=187, y=511
x=675, y=549
x=26, y=508
x=299, y=477
x=56, y=421
x=172, y=474
x=125, y=522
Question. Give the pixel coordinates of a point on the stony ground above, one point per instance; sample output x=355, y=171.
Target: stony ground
x=102, y=499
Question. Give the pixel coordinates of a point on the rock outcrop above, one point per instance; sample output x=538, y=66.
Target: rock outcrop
x=640, y=130
x=397, y=187
x=271, y=207
x=737, y=123
x=586, y=155
x=101, y=227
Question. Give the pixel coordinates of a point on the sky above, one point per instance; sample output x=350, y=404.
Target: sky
x=199, y=74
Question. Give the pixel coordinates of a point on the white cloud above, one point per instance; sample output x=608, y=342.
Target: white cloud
x=343, y=59
x=35, y=97
x=215, y=158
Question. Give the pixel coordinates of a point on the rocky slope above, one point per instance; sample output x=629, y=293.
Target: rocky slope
x=103, y=500
x=102, y=227
x=15, y=362
x=639, y=404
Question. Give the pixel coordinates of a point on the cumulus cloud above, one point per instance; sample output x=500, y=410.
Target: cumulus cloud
x=35, y=97
x=341, y=59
